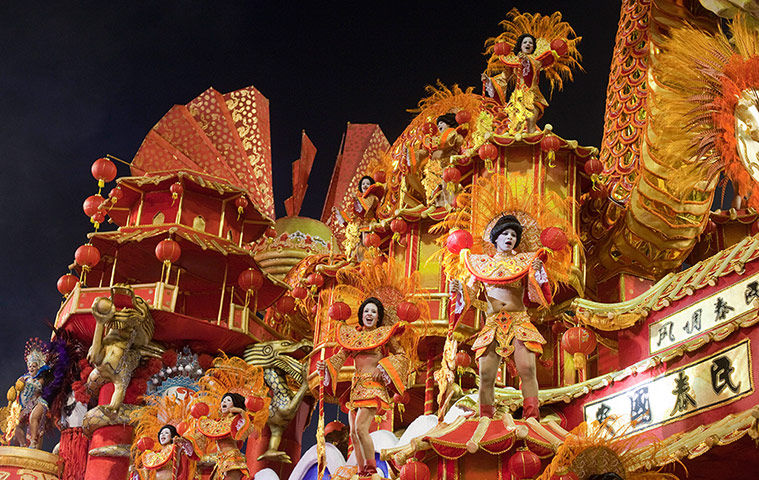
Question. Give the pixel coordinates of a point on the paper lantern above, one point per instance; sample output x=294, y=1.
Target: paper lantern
x=97, y=218
x=168, y=251
x=380, y=176
x=459, y=240
x=399, y=226
x=254, y=404
x=67, y=283
x=414, y=470
x=270, y=232
x=554, y=238
x=463, y=360
x=103, y=170
x=286, y=305
x=593, y=167
x=452, y=175
x=524, y=464
x=182, y=428
x=200, y=409
x=371, y=240
x=250, y=279
x=560, y=46
x=502, y=48
x=91, y=204
x=116, y=194
x=579, y=342
x=339, y=311
x=488, y=152
x=176, y=190
x=429, y=128
x=463, y=116
x=711, y=227
x=550, y=143
x=299, y=292
x=316, y=279
x=145, y=443
x=408, y=312
x=87, y=256
x=402, y=398
x=598, y=192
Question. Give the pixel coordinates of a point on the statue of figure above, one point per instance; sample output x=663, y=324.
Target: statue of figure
x=277, y=365
x=380, y=363
x=119, y=337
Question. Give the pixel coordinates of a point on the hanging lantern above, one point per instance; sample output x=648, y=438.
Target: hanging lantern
x=598, y=192
x=399, y=226
x=459, y=240
x=593, y=167
x=429, y=128
x=116, y=194
x=524, y=464
x=560, y=46
x=87, y=256
x=67, y=283
x=372, y=240
x=380, y=176
x=241, y=203
x=463, y=359
x=200, y=409
x=250, y=280
x=315, y=279
x=91, y=204
x=488, y=152
x=104, y=171
x=299, y=292
x=502, y=48
x=463, y=116
x=579, y=342
x=97, y=218
x=182, y=428
x=286, y=305
x=176, y=190
x=554, y=238
x=145, y=444
x=408, y=312
x=414, y=470
x=339, y=311
x=254, y=404
x=403, y=399
x=711, y=227
x=452, y=175
x=168, y=251
x=550, y=144
x=270, y=232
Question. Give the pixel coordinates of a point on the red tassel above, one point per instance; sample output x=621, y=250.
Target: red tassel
x=73, y=453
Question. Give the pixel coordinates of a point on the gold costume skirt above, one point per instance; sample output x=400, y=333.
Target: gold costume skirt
x=367, y=392
x=228, y=461
x=504, y=327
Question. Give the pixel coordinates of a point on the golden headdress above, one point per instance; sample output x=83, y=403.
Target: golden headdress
x=545, y=29
x=488, y=199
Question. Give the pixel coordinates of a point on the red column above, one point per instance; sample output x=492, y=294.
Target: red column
x=110, y=467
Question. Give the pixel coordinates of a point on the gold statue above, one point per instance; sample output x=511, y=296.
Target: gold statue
x=120, y=334
x=274, y=358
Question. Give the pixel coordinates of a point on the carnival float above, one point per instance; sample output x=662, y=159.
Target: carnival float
x=482, y=297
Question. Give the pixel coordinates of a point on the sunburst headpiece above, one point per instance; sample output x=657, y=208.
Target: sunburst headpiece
x=545, y=29
x=36, y=351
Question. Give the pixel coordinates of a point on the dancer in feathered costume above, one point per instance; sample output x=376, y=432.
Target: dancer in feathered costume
x=509, y=269
x=530, y=44
x=236, y=395
x=164, y=419
x=382, y=345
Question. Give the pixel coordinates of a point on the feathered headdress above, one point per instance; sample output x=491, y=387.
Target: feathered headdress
x=36, y=351
x=545, y=29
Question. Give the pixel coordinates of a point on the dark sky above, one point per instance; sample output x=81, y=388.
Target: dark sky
x=82, y=79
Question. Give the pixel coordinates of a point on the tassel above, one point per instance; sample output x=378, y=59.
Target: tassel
x=73, y=453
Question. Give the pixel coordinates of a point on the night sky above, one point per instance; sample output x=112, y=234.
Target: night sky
x=79, y=80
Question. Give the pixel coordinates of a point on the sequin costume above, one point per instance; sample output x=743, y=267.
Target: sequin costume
x=229, y=427
x=173, y=458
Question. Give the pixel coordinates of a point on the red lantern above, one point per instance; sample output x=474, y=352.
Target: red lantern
x=429, y=128
x=339, y=311
x=316, y=279
x=399, y=226
x=286, y=305
x=299, y=292
x=199, y=410
x=463, y=359
x=241, y=203
x=560, y=46
x=182, y=428
x=463, y=116
x=372, y=240
x=404, y=399
x=176, y=190
x=103, y=170
x=502, y=48
x=67, y=283
x=91, y=204
x=408, y=312
x=250, y=279
x=98, y=217
x=554, y=238
x=145, y=443
x=579, y=342
x=711, y=227
x=380, y=176
x=550, y=143
x=270, y=232
x=87, y=256
x=254, y=404
x=599, y=192
x=116, y=194
x=168, y=251
x=488, y=152
x=459, y=240
x=452, y=175
x=414, y=470
x=593, y=167
x=524, y=464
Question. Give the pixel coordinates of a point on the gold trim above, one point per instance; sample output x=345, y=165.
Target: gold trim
x=37, y=460
x=121, y=450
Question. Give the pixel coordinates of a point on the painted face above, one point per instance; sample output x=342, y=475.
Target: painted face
x=164, y=436
x=226, y=404
x=370, y=315
x=528, y=45
x=441, y=126
x=506, y=240
x=33, y=368
x=365, y=184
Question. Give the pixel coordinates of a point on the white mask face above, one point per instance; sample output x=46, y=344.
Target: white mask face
x=528, y=45
x=506, y=241
x=369, y=315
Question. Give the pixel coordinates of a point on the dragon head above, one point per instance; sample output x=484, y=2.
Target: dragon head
x=276, y=354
